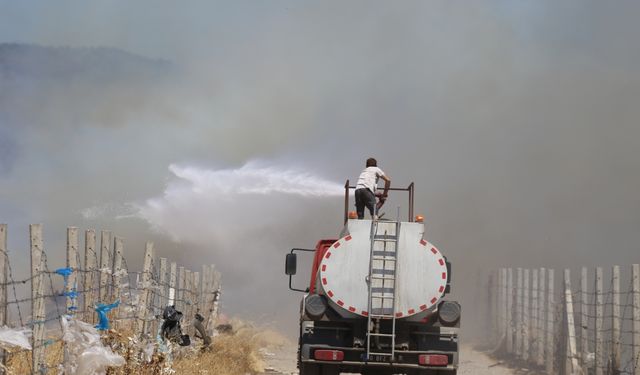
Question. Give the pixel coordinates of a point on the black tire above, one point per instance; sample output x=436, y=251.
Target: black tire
x=309, y=369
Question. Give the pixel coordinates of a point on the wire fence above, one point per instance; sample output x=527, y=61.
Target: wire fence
x=587, y=322
x=133, y=301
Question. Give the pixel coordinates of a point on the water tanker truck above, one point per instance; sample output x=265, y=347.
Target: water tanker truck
x=375, y=304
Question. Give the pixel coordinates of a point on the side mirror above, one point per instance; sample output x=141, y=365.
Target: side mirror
x=290, y=264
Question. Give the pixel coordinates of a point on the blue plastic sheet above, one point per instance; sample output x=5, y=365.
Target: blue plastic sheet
x=102, y=310
x=73, y=294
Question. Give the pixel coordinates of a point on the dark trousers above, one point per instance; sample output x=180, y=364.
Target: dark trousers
x=365, y=197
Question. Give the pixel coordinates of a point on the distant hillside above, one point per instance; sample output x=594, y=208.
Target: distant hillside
x=60, y=86
x=46, y=64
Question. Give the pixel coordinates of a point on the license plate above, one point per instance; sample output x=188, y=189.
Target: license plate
x=378, y=358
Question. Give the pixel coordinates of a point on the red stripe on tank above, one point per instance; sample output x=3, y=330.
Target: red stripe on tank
x=352, y=309
x=423, y=307
x=328, y=254
x=324, y=281
x=433, y=300
x=347, y=238
x=336, y=245
x=330, y=293
x=433, y=250
x=340, y=303
x=423, y=242
x=324, y=267
x=411, y=311
x=441, y=261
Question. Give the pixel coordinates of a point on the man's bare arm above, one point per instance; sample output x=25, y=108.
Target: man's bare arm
x=387, y=185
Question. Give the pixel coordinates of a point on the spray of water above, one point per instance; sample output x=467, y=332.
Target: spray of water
x=252, y=178
x=205, y=206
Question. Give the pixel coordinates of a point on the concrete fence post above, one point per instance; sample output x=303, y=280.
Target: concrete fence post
x=90, y=259
x=38, y=360
x=510, y=327
x=180, y=291
x=600, y=364
x=162, y=284
x=105, y=266
x=518, y=309
x=216, y=295
x=533, y=321
x=118, y=256
x=196, y=291
x=195, y=287
x=504, y=323
x=615, y=320
x=70, y=286
x=4, y=265
x=584, y=318
x=188, y=301
x=525, y=315
x=72, y=263
x=572, y=350
x=550, y=345
x=635, y=285
x=193, y=299
x=490, y=317
x=172, y=284
x=155, y=299
x=541, y=316
x=143, y=300
x=203, y=288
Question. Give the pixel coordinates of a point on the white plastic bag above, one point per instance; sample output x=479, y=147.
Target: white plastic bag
x=87, y=354
x=15, y=337
x=96, y=359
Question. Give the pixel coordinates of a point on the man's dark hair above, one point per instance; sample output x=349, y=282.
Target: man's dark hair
x=371, y=162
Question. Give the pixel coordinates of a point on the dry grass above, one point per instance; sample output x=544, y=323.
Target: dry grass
x=19, y=362
x=229, y=355
x=237, y=353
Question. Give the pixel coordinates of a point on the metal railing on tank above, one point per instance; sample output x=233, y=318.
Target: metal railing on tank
x=409, y=189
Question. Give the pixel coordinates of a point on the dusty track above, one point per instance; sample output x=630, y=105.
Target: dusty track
x=472, y=362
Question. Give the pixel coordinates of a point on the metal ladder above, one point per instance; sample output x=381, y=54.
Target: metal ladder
x=382, y=287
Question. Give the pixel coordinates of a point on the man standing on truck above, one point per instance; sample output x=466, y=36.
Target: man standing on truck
x=366, y=189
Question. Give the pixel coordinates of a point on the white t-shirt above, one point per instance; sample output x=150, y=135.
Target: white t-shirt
x=369, y=178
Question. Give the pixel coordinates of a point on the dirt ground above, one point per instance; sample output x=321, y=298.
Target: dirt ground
x=472, y=362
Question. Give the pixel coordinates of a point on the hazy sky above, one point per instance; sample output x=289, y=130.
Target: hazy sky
x=518, y=121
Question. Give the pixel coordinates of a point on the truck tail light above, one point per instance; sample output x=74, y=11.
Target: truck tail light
x=328, y=355
x=433, y=359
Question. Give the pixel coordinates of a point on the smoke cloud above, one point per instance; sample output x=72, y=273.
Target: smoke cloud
x=518, y=123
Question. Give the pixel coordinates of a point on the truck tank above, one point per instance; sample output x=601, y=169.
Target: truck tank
x=421, y=271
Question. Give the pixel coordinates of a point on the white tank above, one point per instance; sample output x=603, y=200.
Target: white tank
x=420, y=278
